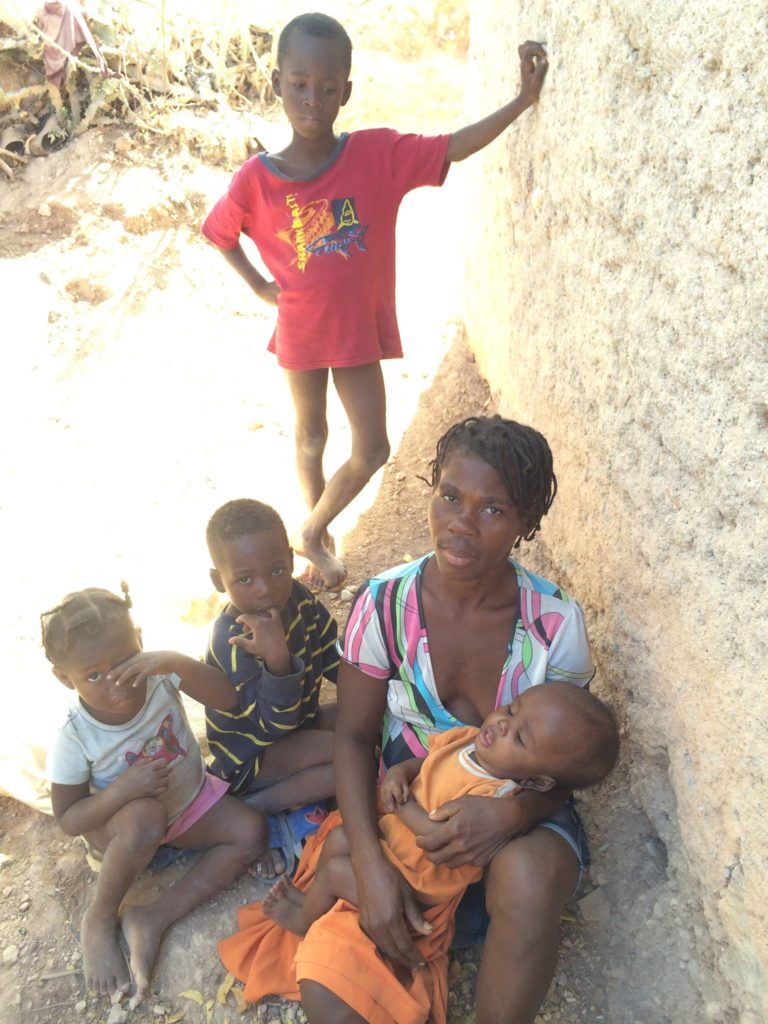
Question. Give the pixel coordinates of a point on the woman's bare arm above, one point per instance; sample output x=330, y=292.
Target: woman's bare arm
x=384, y=900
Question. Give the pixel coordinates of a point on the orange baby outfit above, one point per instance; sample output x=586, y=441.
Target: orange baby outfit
x=336, y=952
x=449, y=772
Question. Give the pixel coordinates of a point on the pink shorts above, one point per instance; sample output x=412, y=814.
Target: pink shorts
x=212, y=790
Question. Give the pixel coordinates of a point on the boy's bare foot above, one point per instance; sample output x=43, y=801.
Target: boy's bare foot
x=270, y=866
x=143, y=933
x=104, y=967
x=283, y=905
x=326, y=571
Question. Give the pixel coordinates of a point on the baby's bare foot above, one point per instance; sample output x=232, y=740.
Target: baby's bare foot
x=143, y=933
x=104, y=967
x=283, y=888
x=283, y=905
x=270, y=866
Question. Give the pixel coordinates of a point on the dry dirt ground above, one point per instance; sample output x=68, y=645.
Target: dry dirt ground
x=138, y=398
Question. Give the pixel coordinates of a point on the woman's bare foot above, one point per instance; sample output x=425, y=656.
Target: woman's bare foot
x=270, y=866
x=283, y=905
x=104, y=967
x=143, y=933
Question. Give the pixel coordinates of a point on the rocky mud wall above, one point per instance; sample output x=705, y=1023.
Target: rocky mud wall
x=617, y=297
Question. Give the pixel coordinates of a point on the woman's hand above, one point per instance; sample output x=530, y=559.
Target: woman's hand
x=474, y=828
x=386, y=904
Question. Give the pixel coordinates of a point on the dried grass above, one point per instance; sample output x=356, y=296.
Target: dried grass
x=166, y=57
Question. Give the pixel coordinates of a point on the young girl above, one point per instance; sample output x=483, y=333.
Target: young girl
x=127, y=775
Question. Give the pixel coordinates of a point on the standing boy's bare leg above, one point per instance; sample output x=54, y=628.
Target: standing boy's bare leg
x=309, y=393
x=361, y=390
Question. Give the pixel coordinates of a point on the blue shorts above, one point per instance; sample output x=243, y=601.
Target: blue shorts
x=472, y=919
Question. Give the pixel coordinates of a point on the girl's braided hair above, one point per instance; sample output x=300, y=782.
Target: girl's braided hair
x=519, y=454
x=81, y=615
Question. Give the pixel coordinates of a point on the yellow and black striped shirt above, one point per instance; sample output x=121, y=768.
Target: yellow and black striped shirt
x=269, y=706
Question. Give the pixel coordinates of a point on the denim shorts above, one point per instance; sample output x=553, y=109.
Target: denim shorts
x=472, y=919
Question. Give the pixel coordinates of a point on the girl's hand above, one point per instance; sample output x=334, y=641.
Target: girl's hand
x=386, y=904
x=266, y=640
x=145, y=777
x=141, y=666
x=533, y=69
x=395, y=789
x=474, y=828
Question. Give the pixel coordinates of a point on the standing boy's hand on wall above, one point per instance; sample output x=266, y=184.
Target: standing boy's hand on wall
x=533, y=70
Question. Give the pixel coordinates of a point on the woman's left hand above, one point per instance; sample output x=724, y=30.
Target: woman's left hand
x=473, y=828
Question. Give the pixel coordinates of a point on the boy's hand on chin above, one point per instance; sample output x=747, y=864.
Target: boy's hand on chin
x=266, y=639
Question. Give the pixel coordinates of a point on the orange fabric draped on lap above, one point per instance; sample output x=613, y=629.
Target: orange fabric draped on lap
x=336, y=953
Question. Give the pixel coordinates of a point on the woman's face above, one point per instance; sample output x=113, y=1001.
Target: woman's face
x=472, y=520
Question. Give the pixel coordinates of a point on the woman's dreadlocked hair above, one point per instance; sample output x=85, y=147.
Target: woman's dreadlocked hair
x=82, y=615
x=519, y=454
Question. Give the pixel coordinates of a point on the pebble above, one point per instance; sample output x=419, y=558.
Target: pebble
x=44, y=210
x=81, y=1006
x=117, y=1015
x=4, y=860
x=595, y=908
x=7, y=890
x=346, y=595
x=10, y=954
x=25, y=905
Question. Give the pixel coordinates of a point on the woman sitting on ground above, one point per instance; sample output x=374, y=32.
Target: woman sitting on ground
x=433, y=644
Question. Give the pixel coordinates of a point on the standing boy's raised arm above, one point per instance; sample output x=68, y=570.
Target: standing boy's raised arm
x=533, y=68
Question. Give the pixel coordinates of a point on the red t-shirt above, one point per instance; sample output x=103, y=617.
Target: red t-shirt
x=329, y=243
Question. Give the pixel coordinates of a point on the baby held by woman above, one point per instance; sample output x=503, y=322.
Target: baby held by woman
x=555, y=734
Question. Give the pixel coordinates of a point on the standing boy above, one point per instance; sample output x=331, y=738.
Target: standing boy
x=322, y=213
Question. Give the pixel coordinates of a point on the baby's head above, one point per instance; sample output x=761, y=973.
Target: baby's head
x=85, y=636
x=252, y=559
x=314, y=57
x=555, y=734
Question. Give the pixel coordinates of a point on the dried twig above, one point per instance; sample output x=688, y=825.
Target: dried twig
x=65, y=973
x=6, y=169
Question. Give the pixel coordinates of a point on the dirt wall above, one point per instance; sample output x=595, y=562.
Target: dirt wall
x=617, y=296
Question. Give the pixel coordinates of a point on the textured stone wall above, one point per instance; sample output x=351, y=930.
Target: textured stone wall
x=617, y=299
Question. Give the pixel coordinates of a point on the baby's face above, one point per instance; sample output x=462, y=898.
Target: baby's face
x=529, y=738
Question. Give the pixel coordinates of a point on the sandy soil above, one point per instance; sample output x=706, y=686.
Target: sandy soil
x=139, y=397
